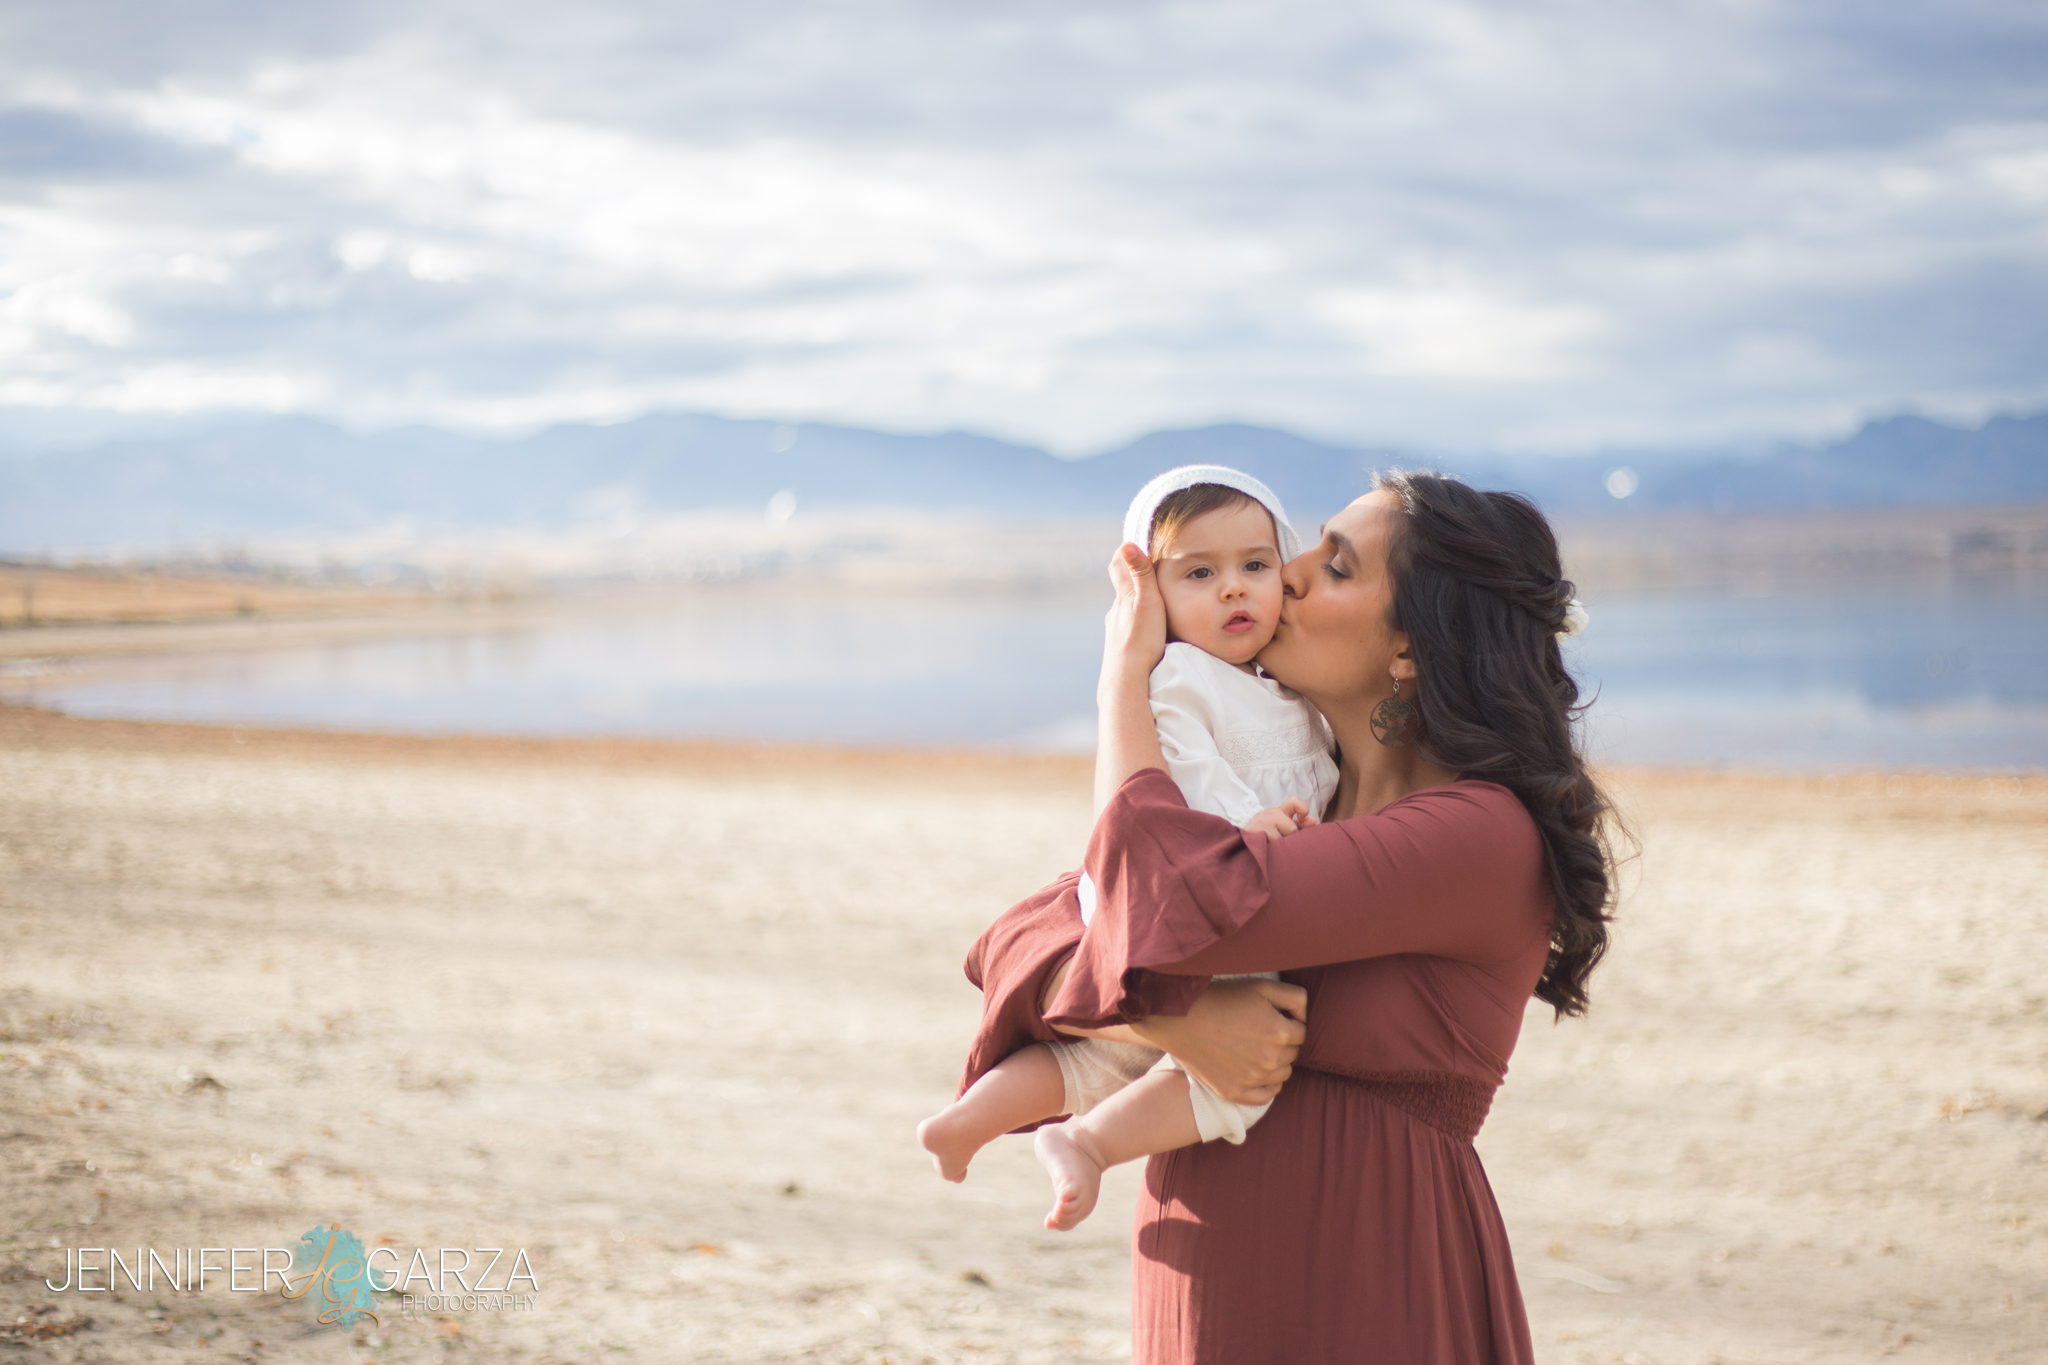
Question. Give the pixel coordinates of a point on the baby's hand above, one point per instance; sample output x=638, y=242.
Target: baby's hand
x=1289, y=817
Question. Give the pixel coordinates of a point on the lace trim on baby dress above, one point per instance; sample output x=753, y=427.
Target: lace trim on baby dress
x=1256, y=748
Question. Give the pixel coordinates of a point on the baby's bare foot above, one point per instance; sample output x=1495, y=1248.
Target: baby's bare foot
x=1076, y=1177
x=949, y=1142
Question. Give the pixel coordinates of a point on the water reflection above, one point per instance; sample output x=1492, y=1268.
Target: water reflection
x=1841, y=679
x=1825, y=680
x=877, y=668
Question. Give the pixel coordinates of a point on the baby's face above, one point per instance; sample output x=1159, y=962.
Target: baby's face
x=1221, y=580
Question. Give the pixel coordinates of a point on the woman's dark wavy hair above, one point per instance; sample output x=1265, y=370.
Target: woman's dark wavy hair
x=1481, y=593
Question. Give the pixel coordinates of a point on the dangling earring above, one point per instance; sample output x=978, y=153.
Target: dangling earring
x=1394, y=720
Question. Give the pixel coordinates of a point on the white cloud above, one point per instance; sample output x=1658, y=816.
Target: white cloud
x=2019, y=167
x=363, y=250
x=174, y=388
x=1446, y=224
x=58, y=307
x=1459, y=330
x=440, y=265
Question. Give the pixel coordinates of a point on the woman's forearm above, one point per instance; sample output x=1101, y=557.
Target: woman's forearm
x=1127, y=740
x=1116, y=1033
x=1134, y=636
x=1239, y=1036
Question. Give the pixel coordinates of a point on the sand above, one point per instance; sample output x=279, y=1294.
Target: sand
x=663, y=1016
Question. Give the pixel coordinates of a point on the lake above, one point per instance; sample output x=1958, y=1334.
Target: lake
x=1818, y=680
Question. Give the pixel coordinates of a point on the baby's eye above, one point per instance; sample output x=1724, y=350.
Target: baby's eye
x=1200, y=571
x=1256, y=565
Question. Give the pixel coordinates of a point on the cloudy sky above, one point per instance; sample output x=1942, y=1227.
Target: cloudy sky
x=1506, y=226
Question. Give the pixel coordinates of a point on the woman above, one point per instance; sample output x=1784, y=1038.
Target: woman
x=1461, y=867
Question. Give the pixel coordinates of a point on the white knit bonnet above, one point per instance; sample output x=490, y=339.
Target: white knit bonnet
x=1138, y=521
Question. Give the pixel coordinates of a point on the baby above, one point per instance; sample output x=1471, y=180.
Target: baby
x=1240, y=746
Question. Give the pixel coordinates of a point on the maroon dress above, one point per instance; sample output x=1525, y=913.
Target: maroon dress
x=1355, y=1222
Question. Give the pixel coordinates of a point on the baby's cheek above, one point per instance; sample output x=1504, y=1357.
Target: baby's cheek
x=1184, y=619
x=1269, y=620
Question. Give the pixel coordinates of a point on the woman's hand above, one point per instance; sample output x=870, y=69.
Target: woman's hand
x=1133, y=639
x=1134, y=632
x=1240, y=1037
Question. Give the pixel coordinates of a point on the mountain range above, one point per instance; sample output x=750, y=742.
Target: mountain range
x=300, y=476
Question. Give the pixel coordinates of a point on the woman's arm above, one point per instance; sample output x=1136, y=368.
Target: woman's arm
x=1453, y=871
x=1240, y=1037
x=1134, y=637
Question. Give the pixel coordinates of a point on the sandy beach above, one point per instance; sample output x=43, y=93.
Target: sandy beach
x=662, y=1016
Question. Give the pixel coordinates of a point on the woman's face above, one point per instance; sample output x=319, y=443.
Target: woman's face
x=1334, y=644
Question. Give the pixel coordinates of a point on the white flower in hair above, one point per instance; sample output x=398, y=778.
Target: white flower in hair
x=1575, y=618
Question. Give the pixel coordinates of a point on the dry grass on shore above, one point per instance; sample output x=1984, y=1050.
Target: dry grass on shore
x=33, y=595
x=663, y=1015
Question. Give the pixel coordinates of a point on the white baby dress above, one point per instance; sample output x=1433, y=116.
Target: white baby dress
x=1236, y=744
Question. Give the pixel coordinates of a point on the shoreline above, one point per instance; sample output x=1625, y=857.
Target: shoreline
x=69, y=640
x=29, y=726
x=37, y=726
x=349, y=622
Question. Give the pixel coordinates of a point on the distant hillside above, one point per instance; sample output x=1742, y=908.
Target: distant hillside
x=1898, y=462
x=297, y=476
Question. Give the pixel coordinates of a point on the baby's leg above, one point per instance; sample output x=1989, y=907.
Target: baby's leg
x=1024, y=1087
x=1151, y=1114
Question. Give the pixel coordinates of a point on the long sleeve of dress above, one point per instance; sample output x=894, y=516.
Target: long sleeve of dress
x=1449, y=872
x=1010, y=964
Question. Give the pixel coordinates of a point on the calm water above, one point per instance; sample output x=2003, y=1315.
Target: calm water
x=1816, y=681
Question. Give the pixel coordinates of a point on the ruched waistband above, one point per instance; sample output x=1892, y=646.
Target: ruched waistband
x=1450, y=1103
